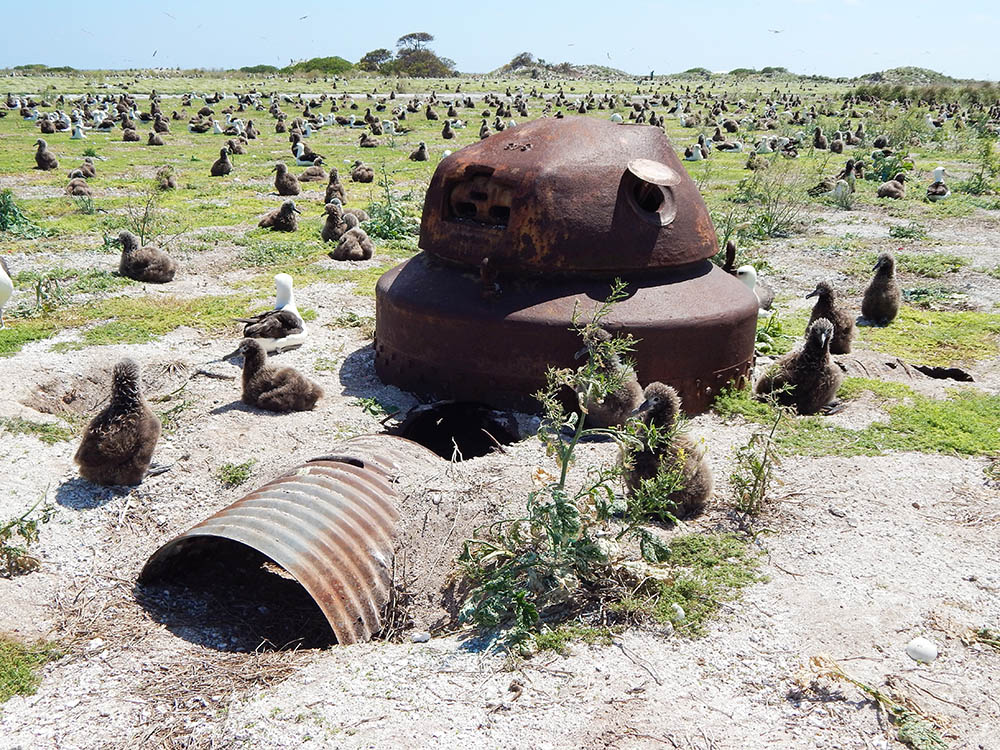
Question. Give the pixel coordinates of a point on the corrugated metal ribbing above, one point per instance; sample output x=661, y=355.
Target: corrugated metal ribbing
x=329, y=522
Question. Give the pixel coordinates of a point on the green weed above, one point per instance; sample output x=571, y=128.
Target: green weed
x=48, y=432
x=233, y=475
x=19, y=533
x=19, y=664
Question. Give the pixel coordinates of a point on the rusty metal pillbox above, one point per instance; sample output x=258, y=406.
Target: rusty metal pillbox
x=525, y=226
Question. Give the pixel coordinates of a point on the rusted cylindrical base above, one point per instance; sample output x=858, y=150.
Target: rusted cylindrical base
x=437, y=335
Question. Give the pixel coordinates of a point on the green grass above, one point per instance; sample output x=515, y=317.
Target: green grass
x=48, y=432
x=19, y=665
x=938, y=338
x=929, y=265
x=559, y=638
x=21, y=332
x=233, y=475
x=911, y=231
x=705, y=571
x=967, y=423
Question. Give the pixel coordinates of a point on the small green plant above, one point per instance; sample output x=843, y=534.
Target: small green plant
x=775, y=202
x=375, y=408
x=233, y=475
x=885, y=168
x=558, y=639
x=14, y=222
x=753, y=476
x=17, y=534
x=19, y=664
x=911, y=231
x=387, y=220
x=986, y=170
x=772, y=338
x=85, y=205
x=47, y=432
x=90, y=151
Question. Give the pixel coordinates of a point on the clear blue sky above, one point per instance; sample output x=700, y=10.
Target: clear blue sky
x=830, y=37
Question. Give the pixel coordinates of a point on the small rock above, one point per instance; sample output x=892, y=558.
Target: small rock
x=420, y=636
x=95, y=644
x=922, y=650
x=837, y=512
x=678, y=611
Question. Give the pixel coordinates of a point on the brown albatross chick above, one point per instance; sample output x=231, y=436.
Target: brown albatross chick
x=811, y=377
x=361, y=172
x=144, y=263
x=334, y=188
x=843, y=323
x=282, y=219
x=118, y=443
x=618, y=405
x=894, y=188
x=154, y=139
x=222, y=165
x=420, y=153
x=165, y=178
x=284, y=181
x=882, y=297
x=78, y=187
x=279, y=389
x=679, y=452
x=45, y=159
x=315, y=173
x=355, y=244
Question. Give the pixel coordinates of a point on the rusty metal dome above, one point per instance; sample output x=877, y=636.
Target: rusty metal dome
x=533, y=223
x=571, y=195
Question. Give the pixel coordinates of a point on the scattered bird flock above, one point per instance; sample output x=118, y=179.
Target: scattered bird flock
x=118, y=445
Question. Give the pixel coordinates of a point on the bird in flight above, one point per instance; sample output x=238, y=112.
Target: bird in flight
x=775, y=31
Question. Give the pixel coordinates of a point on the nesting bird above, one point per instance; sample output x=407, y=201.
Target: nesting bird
x=882, y=297
x=45, y=159
x=86, y=170
x=165, y=178
x=154, y=139
x=144, y=263
x=843, y=323
x=938, y=190
x=355, y=244
x=282, y=219
x=315, y=173
x=361, y=172
x=660, y=409
x=118, y=444
x=618, y=405
x=284, y=181
x=282, y=328
x=279, y=389
x=894, y=188
x=78, y=187
x=420, y=153
x=805, y=379
x=222, y=166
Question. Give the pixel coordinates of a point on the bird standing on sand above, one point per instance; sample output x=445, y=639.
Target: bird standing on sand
x=118, y=443
x=282, y=328
x=659, y=412
x=144, y=263
x=882, y=298
x=279, y=389
x=806, y=379
x=843, y=323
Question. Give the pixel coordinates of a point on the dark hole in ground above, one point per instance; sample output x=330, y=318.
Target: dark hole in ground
x=945, y=373
x=474, y=428
x=224, y=595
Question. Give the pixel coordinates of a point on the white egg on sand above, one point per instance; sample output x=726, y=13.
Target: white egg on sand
x=922, y=650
